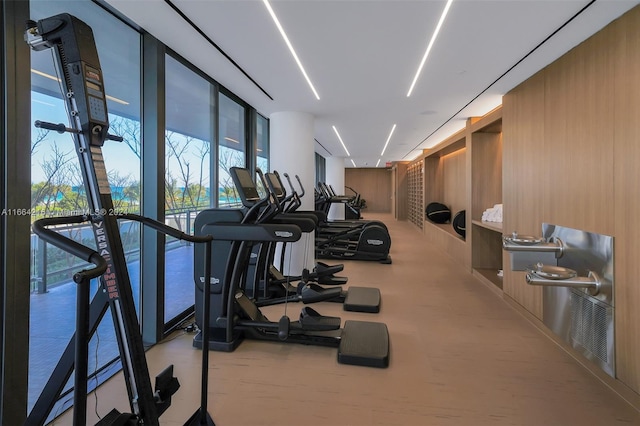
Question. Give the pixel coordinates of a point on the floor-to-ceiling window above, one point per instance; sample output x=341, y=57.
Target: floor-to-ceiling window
x=189, y=139
x=320, y=168
x=232, y=143
x=262, y=143
x=192, y=152
x=57, y=187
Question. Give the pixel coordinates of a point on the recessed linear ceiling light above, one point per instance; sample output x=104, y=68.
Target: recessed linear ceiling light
x=433, y=39
x=290, y=46
x=353, y=162
x=388, y=139
x=340, y=139
x=378, y=163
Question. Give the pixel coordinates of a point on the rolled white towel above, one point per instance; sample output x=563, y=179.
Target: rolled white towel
x=498, y=217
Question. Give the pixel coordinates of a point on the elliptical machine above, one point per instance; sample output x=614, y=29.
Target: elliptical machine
x=359, y=299
x=234, y=316
x=353, y=239
x=350, y=239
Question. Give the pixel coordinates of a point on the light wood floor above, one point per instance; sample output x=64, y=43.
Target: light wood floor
x=460, y=355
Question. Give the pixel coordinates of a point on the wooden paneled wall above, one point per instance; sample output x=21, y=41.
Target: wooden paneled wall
x=374, y=185
x=571, y=156
x=454, y=175
x=399, y=191
x=626, y=195
x=486, y=172
x=523, y=156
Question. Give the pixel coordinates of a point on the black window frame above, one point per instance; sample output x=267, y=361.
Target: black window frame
x=15, y=89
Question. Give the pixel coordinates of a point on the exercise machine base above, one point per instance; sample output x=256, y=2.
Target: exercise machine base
x=361, y=343
x=362, y=299
x=219, y=345
x=364, y=343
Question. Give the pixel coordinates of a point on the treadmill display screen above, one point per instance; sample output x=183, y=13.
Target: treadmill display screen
x=279, y=192
x=247, y=186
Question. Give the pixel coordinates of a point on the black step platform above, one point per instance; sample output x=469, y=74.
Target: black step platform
x=362, y=299
x=364, y=343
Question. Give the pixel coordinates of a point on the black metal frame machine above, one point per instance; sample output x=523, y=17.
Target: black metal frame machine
x=234, y=316
x=355, y=240
x=351, y=239
x=360, y=299
x=82, y=84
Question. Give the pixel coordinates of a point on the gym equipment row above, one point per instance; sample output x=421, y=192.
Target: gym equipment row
x=235, y=316
x=325, y=196
x=362, y=299
x=356, y=239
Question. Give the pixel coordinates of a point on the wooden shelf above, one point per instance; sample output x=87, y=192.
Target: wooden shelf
x=492, y=226
x=463, y=172
x=486, y=192
x=488, y=276
x=444, y=227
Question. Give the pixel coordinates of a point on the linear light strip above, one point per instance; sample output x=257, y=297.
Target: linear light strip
x=215, y=46
x=529, y=53
x=378, y=163
x=293, y=52
x=353, y=162
x=433, y=39
x=340, y=139
x=51, y=77
x=387, y=142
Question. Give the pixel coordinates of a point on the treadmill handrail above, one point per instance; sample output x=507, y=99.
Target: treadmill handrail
x=165, y=229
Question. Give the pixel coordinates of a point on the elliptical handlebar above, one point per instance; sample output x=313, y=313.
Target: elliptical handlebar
x=301, y=187
x=295, y=201
x=273, y=198
x=165, y=229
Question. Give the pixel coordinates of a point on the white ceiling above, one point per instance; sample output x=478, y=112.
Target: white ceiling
x=361, y=56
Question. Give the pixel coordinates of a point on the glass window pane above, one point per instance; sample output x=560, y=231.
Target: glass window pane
x=188, y=141
x=262, y=143
x=320, y=168
x=57, y=187
x=231, y=150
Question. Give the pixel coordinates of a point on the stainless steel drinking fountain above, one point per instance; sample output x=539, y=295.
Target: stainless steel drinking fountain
x=527, y=250
x=557, y=276
x=575, y=269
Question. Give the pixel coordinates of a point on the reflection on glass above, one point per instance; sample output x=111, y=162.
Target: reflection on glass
x=320, y=169
x=57, y=189
x=231, y=150
x=188, y=144
x=262, y=143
